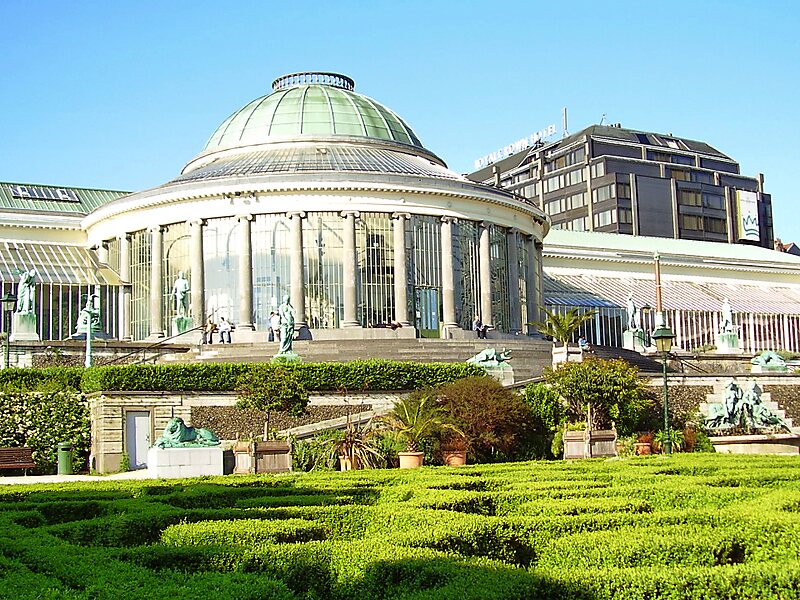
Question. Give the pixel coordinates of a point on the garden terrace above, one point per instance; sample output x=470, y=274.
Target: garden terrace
x=689, y=526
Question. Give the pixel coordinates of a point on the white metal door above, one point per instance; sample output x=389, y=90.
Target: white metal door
x=137, y=430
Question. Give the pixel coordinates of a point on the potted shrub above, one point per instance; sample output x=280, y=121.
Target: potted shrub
x=416, y=418
x=644, y=443
x=675, y=436
x=355, y=449
x=454, y=447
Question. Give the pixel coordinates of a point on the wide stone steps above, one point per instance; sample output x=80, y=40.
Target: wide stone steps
x=529, y=355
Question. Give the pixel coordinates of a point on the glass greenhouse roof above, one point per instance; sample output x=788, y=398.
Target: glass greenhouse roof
x=311, y=104
x=54, y=263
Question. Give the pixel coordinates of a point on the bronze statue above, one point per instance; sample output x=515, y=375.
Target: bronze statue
x=178, y=435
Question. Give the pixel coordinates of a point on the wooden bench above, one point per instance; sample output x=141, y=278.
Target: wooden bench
x=17, y=458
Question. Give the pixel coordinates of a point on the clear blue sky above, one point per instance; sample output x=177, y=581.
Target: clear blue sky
x=121, y=95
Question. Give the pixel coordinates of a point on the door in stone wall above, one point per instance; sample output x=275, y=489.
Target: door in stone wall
x=137, y=436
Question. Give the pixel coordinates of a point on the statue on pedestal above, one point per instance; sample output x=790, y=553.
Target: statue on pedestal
x=286, y=313
x=634, y=318
x=180, y=290
x=26, y=291
x=726, y=320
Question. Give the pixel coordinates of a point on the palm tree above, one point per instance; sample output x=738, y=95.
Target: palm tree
x=562, y=327
x=416, y=418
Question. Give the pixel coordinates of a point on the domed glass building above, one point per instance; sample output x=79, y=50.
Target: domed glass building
x=322, y=194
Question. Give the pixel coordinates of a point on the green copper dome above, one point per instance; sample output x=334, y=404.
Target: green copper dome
x=311, y=104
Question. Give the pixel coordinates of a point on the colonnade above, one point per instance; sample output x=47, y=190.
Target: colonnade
x=531, y=275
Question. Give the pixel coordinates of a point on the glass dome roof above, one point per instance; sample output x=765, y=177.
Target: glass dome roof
x=311, y=104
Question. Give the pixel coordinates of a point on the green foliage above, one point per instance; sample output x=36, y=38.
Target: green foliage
x=495, y=420
x=546, y=406
x=660, y=438
x=42, y=420
x=697, y=526
x=611, y=387
x=702, y=443
x=279, y=389
x=419, y=417
x=560, y=327
x=52, y=379
x=355, y=376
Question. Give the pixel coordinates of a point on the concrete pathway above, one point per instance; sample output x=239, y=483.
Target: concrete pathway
x=36, y=479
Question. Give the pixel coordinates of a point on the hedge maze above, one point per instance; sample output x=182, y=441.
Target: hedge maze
x=691, y=526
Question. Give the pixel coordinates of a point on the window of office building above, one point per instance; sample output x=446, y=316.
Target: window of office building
x=715, y=201
x=713, y=225
x=570, y=202
x=598, y=169
x=607, y=217
x=702, y=177
x=579, y=224
x=680, y=174
x=689, y=198
x=625, y=215
x=565, y=160
x=692, y=222
x=659, y=156
x=623, y=191
x=565, y=179
x=603, y=193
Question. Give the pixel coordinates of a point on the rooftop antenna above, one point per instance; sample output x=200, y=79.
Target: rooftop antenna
x=564, y=120
x=603, y=119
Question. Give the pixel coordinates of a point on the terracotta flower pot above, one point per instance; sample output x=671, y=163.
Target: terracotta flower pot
x=411, y=460
x=454, y=458
x=642, y=448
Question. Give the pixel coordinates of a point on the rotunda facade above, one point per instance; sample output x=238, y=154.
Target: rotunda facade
x=324, y=195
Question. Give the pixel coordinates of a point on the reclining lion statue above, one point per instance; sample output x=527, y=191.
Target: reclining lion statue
x=178, y=435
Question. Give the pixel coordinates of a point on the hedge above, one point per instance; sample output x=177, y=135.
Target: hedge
x=355, y=376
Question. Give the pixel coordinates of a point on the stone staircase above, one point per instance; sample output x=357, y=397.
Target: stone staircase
x=646, y=364
x=529, y=355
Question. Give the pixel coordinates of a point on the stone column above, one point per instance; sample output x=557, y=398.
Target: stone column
x=102, y=253
x=349, y=271
x=156, y=283
x=297, y=281
x=448, y=279
x=245, y=275
x=484, y=260
x=124, y=325
x=530, y=284
x=514, y=305
x=197, y=279
x=400, y=269
x=539, y=280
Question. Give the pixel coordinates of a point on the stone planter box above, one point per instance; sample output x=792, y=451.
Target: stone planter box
x=598, y=443
x=776, y=443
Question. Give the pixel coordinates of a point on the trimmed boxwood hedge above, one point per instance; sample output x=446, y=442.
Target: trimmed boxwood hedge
x=361, y=375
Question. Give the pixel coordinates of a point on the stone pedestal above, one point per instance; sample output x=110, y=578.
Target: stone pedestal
x=170, y=463
x=286, y=357
x=181, y=325
x=503, y=373
x=727, y=343
x=634, y=339
x=23, y=328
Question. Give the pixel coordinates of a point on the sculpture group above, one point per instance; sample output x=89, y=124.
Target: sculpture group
x=742, y=408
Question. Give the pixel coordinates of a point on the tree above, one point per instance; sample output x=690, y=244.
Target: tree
x=610, y=389
x=494, y=419
x=562, y=327
x=277, y=390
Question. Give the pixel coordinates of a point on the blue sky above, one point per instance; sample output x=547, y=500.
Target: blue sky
x=120, y=95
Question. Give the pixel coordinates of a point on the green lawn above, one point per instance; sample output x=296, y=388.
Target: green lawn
x=691, y=526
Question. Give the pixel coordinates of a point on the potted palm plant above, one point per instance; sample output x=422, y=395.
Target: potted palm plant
x=355, y=449
x=416, y=418
x=454, y=448
x=561, y=328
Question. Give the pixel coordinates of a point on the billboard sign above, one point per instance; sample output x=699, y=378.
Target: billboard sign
x=747, y=209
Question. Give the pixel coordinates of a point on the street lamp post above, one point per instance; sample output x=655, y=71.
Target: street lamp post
x=663, y=337
x=9, y=302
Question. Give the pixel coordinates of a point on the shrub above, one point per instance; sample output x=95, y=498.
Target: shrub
x=42, y=420
x=494, y=419
x=611, y=387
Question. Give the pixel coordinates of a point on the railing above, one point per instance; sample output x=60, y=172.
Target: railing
x=144, y=351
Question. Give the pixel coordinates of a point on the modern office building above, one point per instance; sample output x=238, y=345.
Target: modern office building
x=313, y=191
x=615, y=180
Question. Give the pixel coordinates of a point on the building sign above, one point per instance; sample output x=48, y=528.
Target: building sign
x=43, y=193
x=747, y=208
x=517, y=146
